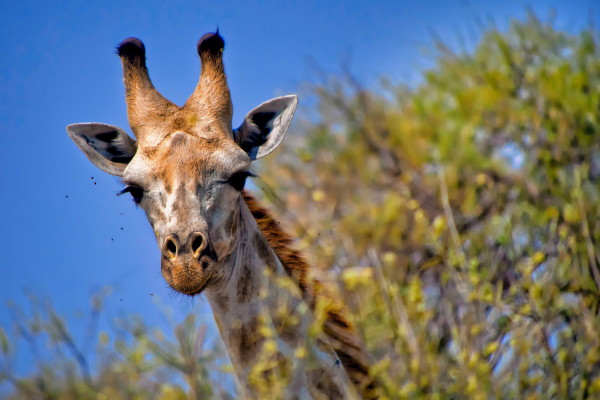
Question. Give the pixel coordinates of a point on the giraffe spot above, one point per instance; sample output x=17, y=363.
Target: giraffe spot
x=247, y=341
x=223, y=303
x=178, y=140
x=264, y=251
x=287, y=330
x=149, y=151
x=282, y=369
x=179, y=124
x=181, y=194
x=324, y=384
x=244, y=287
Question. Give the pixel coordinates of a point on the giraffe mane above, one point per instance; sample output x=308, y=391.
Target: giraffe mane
x=340, y=332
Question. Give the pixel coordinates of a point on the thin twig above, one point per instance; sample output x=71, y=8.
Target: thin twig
x=30, y=339
x=91, y=330
x=451, y=224
x=400, y=310
x=588, y=241
x=68, y=340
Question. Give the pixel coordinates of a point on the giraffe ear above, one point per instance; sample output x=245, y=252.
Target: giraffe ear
x=265, y=127
x=108, y=147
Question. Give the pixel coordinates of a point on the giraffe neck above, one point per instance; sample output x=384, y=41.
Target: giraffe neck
x=265, y=324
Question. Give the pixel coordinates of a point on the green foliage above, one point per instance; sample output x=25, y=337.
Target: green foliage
x=458, y=220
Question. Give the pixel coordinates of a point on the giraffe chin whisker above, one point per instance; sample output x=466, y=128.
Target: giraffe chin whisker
x=197, y=292
x=189, y=280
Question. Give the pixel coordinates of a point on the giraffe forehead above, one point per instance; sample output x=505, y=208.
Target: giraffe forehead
x=183, y=157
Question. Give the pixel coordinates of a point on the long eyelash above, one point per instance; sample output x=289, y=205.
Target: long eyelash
x=129, y=189
x=248, y=174
x=245, y=174
x=238, y=180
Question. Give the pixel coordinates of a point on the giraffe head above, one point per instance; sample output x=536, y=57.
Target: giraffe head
x=187, y=166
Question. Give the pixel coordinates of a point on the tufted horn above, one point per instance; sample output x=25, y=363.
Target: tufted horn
x=146, y=107
x=211, y=99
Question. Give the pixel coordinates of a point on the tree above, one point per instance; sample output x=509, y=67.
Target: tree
x=461, y=216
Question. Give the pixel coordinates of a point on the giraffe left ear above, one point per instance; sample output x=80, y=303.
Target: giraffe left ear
x=265, y=127
x=107, y=146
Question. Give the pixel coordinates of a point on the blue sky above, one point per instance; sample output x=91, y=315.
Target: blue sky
x=58, y=66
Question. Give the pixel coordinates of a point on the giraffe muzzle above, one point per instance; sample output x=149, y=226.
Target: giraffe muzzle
x=184, y=265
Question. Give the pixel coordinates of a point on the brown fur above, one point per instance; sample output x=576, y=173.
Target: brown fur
x=340, y=332
x=211, y=99
x=147, y=109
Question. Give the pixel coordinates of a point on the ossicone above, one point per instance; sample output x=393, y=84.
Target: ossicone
x=143, y=100
x=212, y=93
x=211, y=43
x=133, y=50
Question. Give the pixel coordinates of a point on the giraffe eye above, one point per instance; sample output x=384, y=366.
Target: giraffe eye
x=238, y=180
x=136, y=193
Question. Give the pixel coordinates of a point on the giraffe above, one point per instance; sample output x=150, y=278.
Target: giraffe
x=186, y=168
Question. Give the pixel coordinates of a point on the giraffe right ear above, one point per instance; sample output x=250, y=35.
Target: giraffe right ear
x=265, y=127
x=108, y=147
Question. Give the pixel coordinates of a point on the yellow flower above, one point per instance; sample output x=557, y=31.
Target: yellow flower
x=413, y=204
x=318, y=195
x=481, y=178
x=490, y=348
x=301, y=352
x=538, y=257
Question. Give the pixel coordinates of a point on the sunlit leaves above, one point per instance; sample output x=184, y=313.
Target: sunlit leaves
x=487, y=288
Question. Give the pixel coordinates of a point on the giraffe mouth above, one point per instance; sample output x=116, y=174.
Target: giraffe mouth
x=199, y=291
x=188, y=287
x=189, y=279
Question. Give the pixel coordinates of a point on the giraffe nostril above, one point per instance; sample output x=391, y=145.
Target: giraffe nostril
x=198, y=243
x=171, y=247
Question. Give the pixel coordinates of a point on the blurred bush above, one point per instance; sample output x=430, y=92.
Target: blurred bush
x=458, y=220
x=133, y=361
